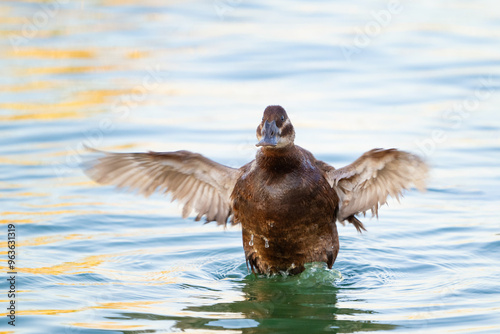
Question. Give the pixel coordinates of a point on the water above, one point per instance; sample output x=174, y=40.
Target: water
x=149, y=75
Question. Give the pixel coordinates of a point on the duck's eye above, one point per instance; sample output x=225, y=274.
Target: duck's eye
x=282, y=117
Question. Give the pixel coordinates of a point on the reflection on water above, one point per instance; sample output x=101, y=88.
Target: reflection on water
x=306, y=304
x=127, y=75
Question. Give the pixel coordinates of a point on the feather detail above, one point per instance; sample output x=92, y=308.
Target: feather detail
x=368, y=182
x=198, y=183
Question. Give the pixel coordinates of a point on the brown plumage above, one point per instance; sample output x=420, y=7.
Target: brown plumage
x=286, y=201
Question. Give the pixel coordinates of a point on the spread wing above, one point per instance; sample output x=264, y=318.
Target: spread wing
x=367, y=182
x=195, y=181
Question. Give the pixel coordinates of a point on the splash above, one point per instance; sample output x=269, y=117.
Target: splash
x=317, y=273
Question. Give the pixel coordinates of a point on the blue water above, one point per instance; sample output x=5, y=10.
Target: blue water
x=128, y=75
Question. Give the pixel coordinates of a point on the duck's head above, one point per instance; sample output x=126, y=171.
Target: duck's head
x=275, y=130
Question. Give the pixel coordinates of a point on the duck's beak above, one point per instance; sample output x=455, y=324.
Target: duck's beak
x=270, y=134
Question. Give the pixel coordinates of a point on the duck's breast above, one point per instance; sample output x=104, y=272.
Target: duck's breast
x=287, y=214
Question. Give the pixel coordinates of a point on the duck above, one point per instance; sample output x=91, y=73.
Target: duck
x=287, y=202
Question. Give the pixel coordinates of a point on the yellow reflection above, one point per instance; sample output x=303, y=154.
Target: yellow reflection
x=45, y=240
x=65, y=69
x=52, y=53
x=136, y=305
x=42, y=312
x=8, y=161
x=107, y=325
x=120, y=147
x=12, y=20
x=90, y=264
x=35, y=85
x=25, y=194
x=10, y=185
x=87, y=265
x=46, y=107
x=42, y=214
x=36, y=116
x=136, y=54
x=14, y=221
x=76, y=108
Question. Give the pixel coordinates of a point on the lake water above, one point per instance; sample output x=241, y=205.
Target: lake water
x=129, y=75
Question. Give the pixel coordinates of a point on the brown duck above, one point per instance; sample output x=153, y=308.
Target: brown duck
x=286, y=200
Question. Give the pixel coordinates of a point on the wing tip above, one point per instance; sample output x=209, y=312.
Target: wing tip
x=357, y=223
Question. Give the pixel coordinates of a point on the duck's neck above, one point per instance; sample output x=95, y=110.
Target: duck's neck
x=279, y=160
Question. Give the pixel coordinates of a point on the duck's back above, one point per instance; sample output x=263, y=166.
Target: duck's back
x=287, y=211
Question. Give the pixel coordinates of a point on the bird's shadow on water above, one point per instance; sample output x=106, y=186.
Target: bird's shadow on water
x=304, y=303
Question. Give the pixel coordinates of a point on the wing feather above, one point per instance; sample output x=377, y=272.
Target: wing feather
x=196, y=182
x=368, y=182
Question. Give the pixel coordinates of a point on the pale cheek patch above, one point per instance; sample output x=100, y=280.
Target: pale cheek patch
x=287, y=134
